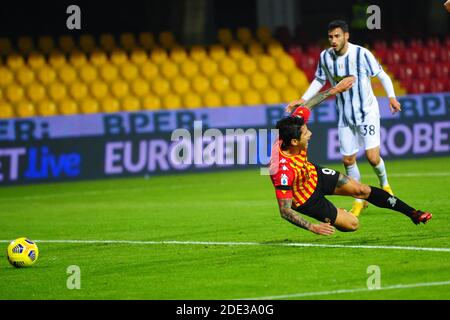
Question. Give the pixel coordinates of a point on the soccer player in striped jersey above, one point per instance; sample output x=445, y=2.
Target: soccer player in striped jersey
x=358, y=111
x=301, y=185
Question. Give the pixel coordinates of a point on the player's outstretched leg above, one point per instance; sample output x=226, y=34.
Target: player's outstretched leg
x=346, y=186
x=352, y=170
x=377, y=163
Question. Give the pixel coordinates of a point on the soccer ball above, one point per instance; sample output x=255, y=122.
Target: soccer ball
x=22, y=252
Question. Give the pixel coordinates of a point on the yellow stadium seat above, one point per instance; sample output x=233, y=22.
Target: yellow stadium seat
x=57, y=59
x=138, y=57
x=160, y=86
x=191, y=100
x=259, y=81
x=239, y=82
x=247, y=66
x=119, y=89
x=228, y=66
x=127, y=41
x=14, y=61
x=189, y=69
x=180, y=85
x=67, y=74
x=289, y=94
x=57, y=91
x=129, y=71
x=88, y=73
x=278, y=80
x=24, y=76
x=89, y=105
x=244, y=35
x=149, y=70
x=67, y=107
x=78, y=90
x=198, y=53
x=212, y=99
x=298, y=79
x=36, y=60
x=231, y=98
x=275, y=49
x=46, y=44
x=99, y=89
x=255, y=49
x=130, y=103
x=14, y=93
x=271, y=96
x=46, y=75
x=25, y=45
x=77, y=58
x=25, y=109
x=151, y=102
x=109, y=72
x=107, y=42
x=169, y=69
x=6, y=110
x=109, y=104
x=225, y=36
x=171, y=101
x=146, y=40
x=6, y=76
x=266, y=64
x=178, y=54
x=217, y=52
x=5, y=46
x=167, y=39
x=46, y=108
x=66, y=44
x=208, y=67
x=220, y=83
x=98, y=58
x=140, y=88
x=118, y=57
x=286, y=63
x=36, y=92
x=200, y=84
x=251, y=97
x=158, y=55
x=87, y=43
x=263, y=34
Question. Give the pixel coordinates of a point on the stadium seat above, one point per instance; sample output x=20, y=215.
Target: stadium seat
x=24, y=76
x=231, y=98
x=138, y=57
x=25, y=109
x=444, y=54
x=25, y=45
x=88, y=73
x=14, y=61
x=278, y=80
x=220, y=83
x=437, y=85
x=109, y=104
x=67, y=74
x=118, y=57
x=6, y=76
x=89, y=105
x=411, y=56
x=266, y=64
x=127, y=41
x=290, y=94
x=151, y=102
x=109, y=72
x=180, y=85
x=428, y=56
x=286, y=63
x=46, y=108
x=441, y=70
x=197, y=53
x=130, y=103
x=298, y=79
x=57, y=91
x=146, y=40
x=271, y=96
x=77, y=58
x=212, y=99
x=263, y=34
x=275, y=50
x=244, y=35
x=191, y=100
x=149, y=70
x=228, y=66
x=167, y=39
x=158, y=55
x=251, y=97
x=107, y=42
x=119, y=88
x=57, y=59
x=87, y=43
x=36, y=92
x=208, y=67
x=169, y=69
x=129, y=71
x=67, y=44
x=14, y=93
x=36, y=60
x=240, y=82
x=98, y=58
x=189, y=69
x=259, y=81
x=236, y=51
x=160, y=86
x=178, y=54
x=67, y=107
x=217, y=52
x=98, y=89
x=78, y=91
x=6, y=110
x=423, y=71
x=225, y=36
x=5, y=46
x=46, y=44
x=255, y=49
x=171, y=101
x=46, y=75
x=200, y=84
x=140, y=87
x=247, y=66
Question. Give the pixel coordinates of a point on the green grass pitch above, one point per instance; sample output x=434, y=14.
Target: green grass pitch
x=236, y=207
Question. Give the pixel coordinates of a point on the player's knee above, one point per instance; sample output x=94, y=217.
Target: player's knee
x=354, y=224
x=373, y=159
x=348, y=161
x=361, y=191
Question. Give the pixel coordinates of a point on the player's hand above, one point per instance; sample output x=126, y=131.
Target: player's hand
x=344, y=84
x=394, y=105
x=447, y=5
x=294, y=104
x=324, y=229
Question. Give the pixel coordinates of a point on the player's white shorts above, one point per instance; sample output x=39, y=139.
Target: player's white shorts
x=366, y=134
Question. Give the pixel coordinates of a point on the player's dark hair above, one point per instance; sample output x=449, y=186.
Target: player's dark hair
x=338, y=24
x=289, y=128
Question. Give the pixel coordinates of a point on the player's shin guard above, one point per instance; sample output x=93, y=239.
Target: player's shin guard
x=382, y=199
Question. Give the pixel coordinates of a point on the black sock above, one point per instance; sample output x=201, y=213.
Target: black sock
x=383, y=199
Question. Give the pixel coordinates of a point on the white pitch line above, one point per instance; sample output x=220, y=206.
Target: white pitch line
x=324, y=293
x=217, y=243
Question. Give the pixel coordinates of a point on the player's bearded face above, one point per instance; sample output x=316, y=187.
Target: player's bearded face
x=337, y=38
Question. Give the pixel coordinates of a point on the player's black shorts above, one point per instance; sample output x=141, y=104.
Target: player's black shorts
x=317, y=206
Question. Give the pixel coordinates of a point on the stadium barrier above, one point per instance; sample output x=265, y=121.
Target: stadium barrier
x=80, y=147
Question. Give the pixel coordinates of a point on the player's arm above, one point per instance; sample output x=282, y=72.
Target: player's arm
x=313, y=89
x=293, y=217
x=386, y=81
x=342, y=86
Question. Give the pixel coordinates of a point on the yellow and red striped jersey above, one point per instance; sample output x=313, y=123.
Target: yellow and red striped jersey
x=292, y=176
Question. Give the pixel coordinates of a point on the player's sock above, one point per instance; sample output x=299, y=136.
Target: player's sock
x=380, y=171
x=382, y=199
x=353, y=172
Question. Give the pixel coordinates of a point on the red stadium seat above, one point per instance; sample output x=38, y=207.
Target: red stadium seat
x=296, y=54
x=424, y=71
x=380, y=45
x=393, y=57
x=419, y=86
x=398, y=44
x=444, y=54
x=429, y=55
x=416, y=43
x=441, y=70
x=438, y=85
x=433, y=43
x=411, y=56
x=406, y=72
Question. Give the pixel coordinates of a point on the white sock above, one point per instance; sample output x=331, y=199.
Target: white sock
x=353, y=172
x=380, y=171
